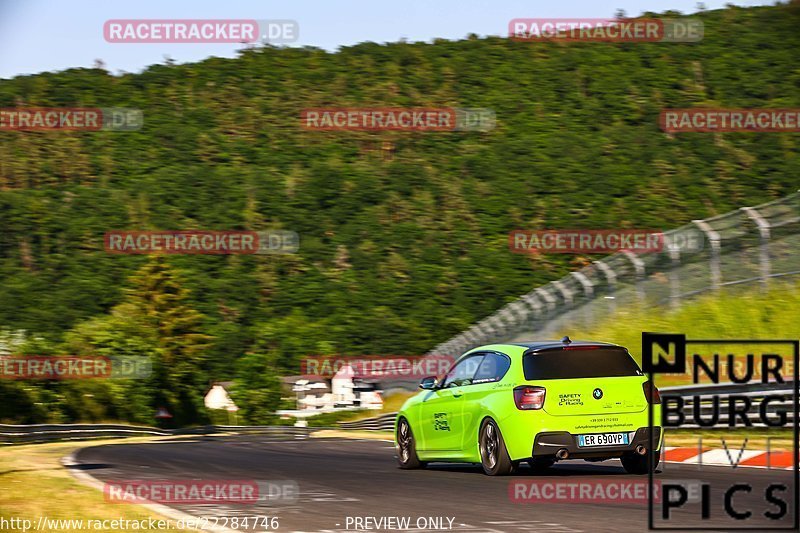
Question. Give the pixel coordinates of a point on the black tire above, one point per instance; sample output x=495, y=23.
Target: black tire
x=634, y=463
x=540, y=464
x=406, y=447
x=494, y=456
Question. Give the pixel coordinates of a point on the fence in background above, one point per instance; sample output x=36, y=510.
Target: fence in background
x=752, y=244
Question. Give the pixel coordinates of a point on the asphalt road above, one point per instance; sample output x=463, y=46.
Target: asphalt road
x=341, y=480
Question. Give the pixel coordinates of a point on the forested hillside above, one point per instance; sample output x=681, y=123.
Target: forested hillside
x=403, y=236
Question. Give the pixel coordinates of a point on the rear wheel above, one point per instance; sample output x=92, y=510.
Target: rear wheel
x=633, y=463
x=406, y=447
x=494, y=456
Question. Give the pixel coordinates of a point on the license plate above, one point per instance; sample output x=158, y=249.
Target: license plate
x=603, y=439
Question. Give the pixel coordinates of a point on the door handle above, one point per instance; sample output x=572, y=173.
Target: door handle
x=457, y=393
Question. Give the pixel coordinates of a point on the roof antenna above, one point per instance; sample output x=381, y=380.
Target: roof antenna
x=566, y=340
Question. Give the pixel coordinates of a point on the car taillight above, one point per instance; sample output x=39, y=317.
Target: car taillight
x=528, y=398
x=651, y=392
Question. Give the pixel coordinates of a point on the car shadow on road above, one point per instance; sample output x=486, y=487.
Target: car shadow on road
x=560, y=470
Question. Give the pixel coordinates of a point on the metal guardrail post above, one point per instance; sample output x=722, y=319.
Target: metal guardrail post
x=588, y=292
x=510, y=318
x=588, y=286
x=611, y=284
x=475, y=335
x=565, y=292
x=521, y=311
x=715, y=241
x=497, y=326
x=638, y=265
x=674, y=277
x=483, y=330
x=764, y=233
x=548, y=298
x=470, y=336
x=534, y=303
x=458, y=346
x=608, y=272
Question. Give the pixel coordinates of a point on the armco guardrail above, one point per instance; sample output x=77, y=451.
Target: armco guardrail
x=37, y=433
x=10, y=434
x=751, y=244
x=754, y=391
x=383, y=422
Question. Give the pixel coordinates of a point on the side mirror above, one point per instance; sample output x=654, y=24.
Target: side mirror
x=428, y=383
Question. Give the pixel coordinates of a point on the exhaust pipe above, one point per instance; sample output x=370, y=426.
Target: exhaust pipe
x=641, y=450
x=563, y=453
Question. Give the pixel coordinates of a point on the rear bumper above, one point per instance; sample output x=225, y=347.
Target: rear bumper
x=546, y=444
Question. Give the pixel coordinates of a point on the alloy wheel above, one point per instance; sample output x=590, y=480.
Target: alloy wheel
x=404, y=441
x=490, y=445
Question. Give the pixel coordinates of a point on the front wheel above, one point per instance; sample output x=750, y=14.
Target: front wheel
x=634, y=463
x=494, y=456
x=406, y=447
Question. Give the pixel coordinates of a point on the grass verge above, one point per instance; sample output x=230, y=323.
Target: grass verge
x=34, y=484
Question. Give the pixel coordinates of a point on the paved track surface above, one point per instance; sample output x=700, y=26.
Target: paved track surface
x=340, y=478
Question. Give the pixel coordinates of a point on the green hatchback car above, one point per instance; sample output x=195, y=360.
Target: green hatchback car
x=538, y=402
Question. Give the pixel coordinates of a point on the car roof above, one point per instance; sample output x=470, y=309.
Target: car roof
x=543, y=345
x=535, y=346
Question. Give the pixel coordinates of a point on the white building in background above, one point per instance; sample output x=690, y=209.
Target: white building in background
x=312, y=393
x=316, y=394
x=217, y=397
x=342, y=387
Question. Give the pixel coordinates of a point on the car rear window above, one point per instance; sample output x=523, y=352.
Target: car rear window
x=579, y=363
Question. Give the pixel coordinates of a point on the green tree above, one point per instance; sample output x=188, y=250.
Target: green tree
x=153, y=321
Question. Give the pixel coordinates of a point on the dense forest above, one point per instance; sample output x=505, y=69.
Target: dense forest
x=403, y=235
